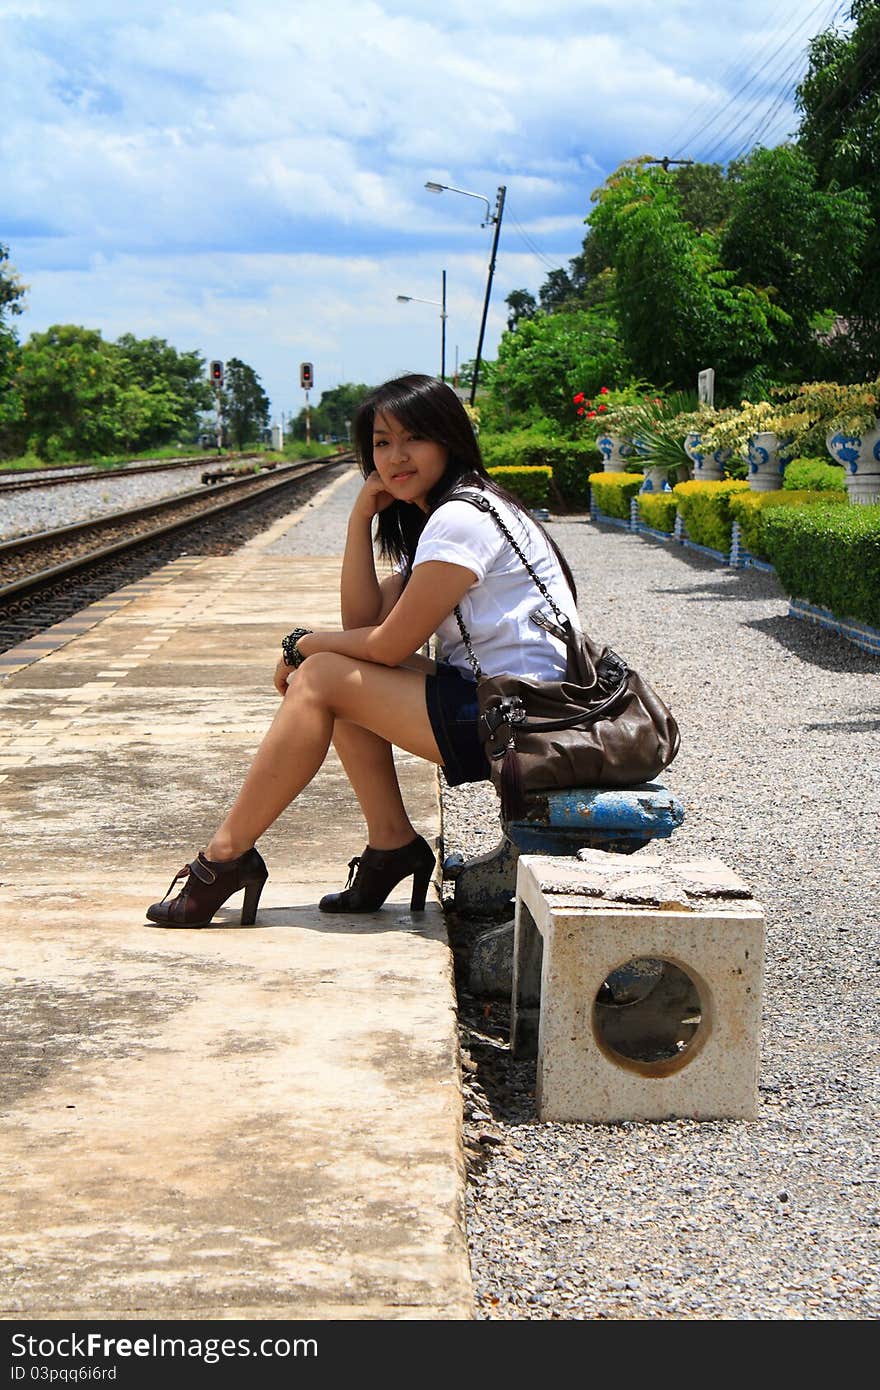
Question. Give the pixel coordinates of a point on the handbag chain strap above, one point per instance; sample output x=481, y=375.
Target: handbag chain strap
x=484, y=505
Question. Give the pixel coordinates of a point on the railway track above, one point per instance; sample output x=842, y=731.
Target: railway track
x=12, y=481
x=47, y=576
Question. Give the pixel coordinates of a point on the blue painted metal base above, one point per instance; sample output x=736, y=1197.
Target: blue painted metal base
x=655, y=533
x=618, y=819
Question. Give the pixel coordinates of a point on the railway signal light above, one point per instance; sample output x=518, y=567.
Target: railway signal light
x=217, y=373
x=306, y=376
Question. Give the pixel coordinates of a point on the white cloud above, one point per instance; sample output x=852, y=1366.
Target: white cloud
x=256, y=173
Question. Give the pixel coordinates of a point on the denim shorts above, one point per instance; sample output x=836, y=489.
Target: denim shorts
x=451, y=697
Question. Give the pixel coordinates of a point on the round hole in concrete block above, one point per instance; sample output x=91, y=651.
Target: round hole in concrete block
x=648, y=1015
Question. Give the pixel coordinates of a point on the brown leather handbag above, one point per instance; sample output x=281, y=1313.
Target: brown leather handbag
x=600, y=726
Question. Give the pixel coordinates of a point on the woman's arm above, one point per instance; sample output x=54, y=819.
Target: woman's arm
x=363, y=599
x=430, y=596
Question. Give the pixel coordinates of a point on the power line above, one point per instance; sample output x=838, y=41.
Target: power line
x=789, y=77
x=731, y=73
x=774, y=76
x=752, y=78
x=535, y=250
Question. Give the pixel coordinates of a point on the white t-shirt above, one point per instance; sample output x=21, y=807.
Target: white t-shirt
x=498, y=607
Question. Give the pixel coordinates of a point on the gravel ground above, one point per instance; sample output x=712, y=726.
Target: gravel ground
x=771, y=1219
x=41, y=509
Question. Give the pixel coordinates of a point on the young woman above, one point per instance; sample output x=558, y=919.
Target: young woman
x=366, y=688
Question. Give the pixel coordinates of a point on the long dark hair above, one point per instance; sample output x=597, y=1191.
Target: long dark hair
x=431, y=409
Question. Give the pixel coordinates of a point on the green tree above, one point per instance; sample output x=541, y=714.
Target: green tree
x=546, y=361
x=69, y=393
x=333, y=414
x=171, y=386
x=679, y=308
x=802, y=244
x=556, y=292
x=11, y=304
x=245, y=403
x=704, y=194
x=840, y=132
x=83, y=397
x=522, y=305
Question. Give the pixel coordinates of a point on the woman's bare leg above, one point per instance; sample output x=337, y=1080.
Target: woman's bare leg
x=387, y=701
x=369, y=766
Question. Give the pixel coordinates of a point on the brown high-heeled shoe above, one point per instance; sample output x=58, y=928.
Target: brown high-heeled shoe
x=208, y=884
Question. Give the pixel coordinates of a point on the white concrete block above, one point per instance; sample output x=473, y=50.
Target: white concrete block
x=697, y=1060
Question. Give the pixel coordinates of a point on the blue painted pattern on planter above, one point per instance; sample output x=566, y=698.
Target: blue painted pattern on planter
x=757, y=455
x=845, y=448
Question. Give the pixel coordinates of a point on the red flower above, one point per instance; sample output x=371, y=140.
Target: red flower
x=591, y=414
x=603, y=390
x=602, y=407
x=579, y=398
x=589, y=405
x=657, y=400
x=580, y=410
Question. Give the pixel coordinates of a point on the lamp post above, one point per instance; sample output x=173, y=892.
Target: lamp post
x=413, y=299
x=491, y=219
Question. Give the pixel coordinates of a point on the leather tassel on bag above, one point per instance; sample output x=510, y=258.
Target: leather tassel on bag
x=513, y=803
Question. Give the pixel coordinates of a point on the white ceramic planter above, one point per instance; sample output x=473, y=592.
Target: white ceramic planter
x=655, y=480
x=860, y=456
x=765, y=466
x=708, y=467
x=616, y=452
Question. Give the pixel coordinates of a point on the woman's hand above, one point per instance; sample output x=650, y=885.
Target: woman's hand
x=372, y=498
x=282, y=671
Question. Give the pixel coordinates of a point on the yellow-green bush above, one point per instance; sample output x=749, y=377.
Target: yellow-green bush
x=830, y=556
x=706, y=510
x=571, y=460
x=749, y=509
x=658, y=509
x=530, y=485
x=612, y=491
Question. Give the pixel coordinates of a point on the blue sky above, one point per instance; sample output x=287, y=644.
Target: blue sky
x=247, y=179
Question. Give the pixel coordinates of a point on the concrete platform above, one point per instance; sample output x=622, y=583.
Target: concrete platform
x=258, y=1123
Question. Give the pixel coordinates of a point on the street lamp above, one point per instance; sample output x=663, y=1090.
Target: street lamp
x=413, y=299
x=493, y=218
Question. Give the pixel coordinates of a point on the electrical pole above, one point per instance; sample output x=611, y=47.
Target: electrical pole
x=666, y=161
x=496, y=218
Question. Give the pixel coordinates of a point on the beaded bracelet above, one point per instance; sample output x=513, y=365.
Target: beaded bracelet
x=290, y=653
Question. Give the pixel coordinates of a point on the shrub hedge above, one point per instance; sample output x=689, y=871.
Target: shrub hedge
x=530, y=485
x=813, y=475
x=706, y=510
x=749, y=509
x=612, y=491
x=570, y=459
x=658, y=509
x=828, y=555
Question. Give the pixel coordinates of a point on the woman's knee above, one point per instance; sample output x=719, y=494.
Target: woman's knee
x=320, y=675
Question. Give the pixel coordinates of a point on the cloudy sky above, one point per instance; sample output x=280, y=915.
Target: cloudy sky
x=247, y=178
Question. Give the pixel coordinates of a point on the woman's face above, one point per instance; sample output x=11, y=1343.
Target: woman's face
x=408, y=465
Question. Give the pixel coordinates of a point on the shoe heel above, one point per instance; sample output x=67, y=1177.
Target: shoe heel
x=251, y=902
x=421, y=879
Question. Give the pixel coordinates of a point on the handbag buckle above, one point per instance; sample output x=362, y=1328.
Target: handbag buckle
x=511, y=711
